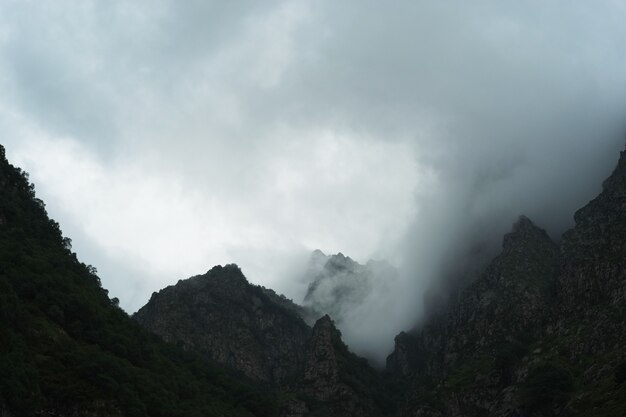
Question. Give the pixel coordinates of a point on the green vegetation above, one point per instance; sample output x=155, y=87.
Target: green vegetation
x=466, y=374
x=64, y=345
x=604, y=398
x=507, y=356
x=548, y=386
x=425, y=394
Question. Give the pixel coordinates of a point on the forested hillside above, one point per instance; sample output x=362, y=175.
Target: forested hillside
x=66, y=348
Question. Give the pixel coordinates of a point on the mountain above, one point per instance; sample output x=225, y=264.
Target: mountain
x=225, y=318
x=338, y=382
x=253, y=330
x=540, y=333
x=67, y=349
x=338, y=285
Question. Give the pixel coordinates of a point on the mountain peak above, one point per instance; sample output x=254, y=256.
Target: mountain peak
x=68, y=349
x=523, y=232
x=317, y=253
x=324, y=321
x=341, y=262
x=231, y=322
x=611, y=201
x=523, y=222
x=232, y=269
x=229, y=275
x=616, y=182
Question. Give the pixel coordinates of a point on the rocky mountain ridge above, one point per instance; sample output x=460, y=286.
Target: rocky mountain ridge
x=67, y=349
x=234, y=323
x=338, y=285
x=539, y=333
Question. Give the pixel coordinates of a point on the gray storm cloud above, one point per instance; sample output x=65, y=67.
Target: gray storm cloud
x=254, y=132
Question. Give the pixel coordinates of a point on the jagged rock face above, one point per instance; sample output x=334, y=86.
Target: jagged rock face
x=67, y=349
x=321, y=373
x=232, y=322
x=514, y=294
x=590, y=329
x=339, y=285
x=595, y=250
x=507, y=305
x=540, y=333
x=328, y=362
x=403, y=361
x=258, y=332
x=335, y=282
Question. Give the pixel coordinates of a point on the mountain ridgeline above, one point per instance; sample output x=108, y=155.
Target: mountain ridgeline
x=539, y=332
x=339, y=286
x=250, y=329
x=67, y=349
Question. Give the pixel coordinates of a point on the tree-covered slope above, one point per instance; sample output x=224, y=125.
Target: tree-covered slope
x=67, y=349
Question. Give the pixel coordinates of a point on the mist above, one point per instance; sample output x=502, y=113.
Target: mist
x=167, y=137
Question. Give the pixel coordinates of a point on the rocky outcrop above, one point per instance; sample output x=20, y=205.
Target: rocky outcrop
x=472, y=347
x=321, y=374
x=594, y=249
x=539, y=333
x=338, y=285
x=590, y=329
x=67, y=349
x=514, y=295
x=338, y=378
x=258, y=332
x=222, y=316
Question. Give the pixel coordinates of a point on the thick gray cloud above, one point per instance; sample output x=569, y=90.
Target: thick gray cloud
x=168, y=136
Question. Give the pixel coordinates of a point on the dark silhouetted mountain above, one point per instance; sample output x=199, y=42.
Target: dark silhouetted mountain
x=540, y=333
x=248, y=328
x=222, y=316
x=66, y=349
x=341, y=383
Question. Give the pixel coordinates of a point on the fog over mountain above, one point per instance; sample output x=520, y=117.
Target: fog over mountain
x=167, y=137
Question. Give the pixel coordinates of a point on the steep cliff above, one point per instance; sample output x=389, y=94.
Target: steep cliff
x=589, y=331
x=539, y=333
x=341, y=383
x=228, y=320
x=470, y=351
x=232, y=322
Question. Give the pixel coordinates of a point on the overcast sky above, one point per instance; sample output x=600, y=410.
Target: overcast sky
x=170, y=136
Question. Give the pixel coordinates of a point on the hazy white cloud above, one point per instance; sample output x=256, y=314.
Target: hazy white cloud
x=324, y=192
x=169, y=136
